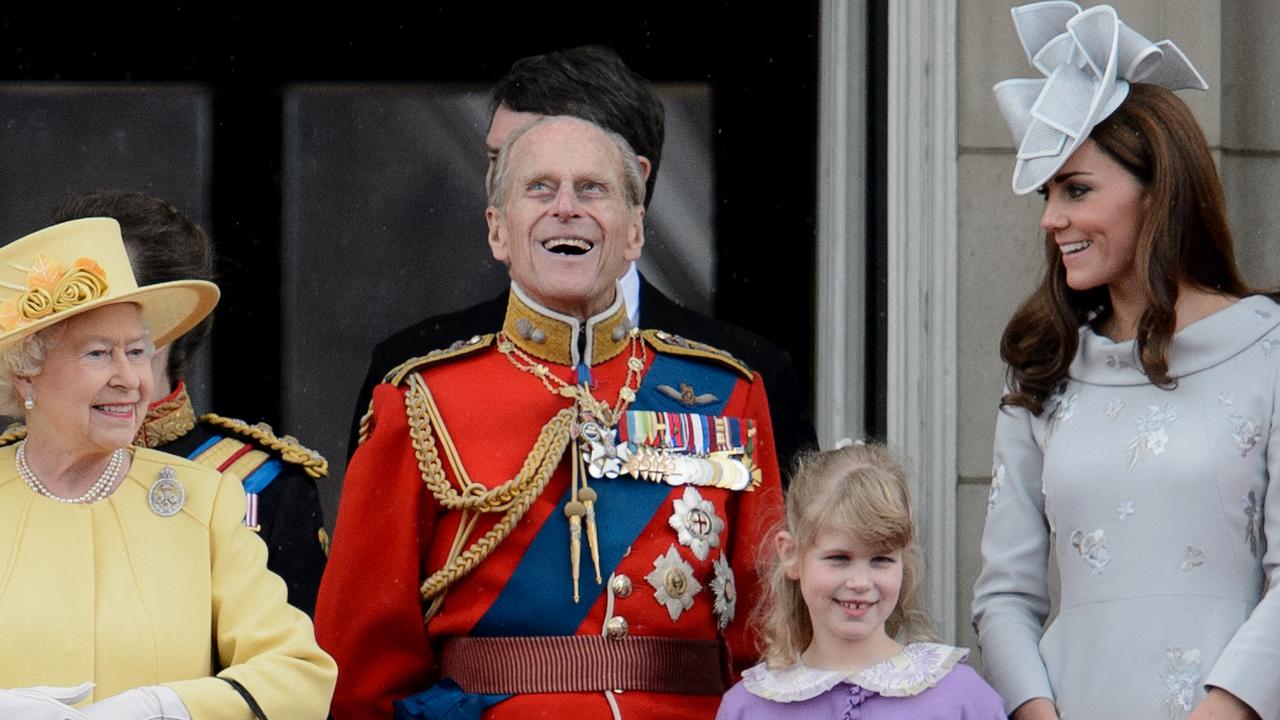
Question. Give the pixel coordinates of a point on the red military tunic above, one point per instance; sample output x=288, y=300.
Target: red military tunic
x=663, y=546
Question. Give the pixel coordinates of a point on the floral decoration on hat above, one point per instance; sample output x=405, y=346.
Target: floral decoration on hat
x=1088, y=57
x=40, y=284
x=52, y=287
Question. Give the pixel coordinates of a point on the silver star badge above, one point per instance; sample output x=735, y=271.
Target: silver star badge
x=726, y=593
x=673, y=582
x=696, y=524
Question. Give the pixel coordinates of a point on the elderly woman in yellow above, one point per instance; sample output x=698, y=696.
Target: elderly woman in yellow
x=129, y=587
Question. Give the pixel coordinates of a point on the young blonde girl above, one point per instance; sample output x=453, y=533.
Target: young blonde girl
x=841, y=593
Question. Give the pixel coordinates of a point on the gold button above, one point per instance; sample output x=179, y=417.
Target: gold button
x=616, y=628
x=621, y=585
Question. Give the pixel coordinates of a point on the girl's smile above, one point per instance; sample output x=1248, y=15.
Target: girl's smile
x=850, y=589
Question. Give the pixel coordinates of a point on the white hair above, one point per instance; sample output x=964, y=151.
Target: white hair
x=632, y=175
x=24, y=358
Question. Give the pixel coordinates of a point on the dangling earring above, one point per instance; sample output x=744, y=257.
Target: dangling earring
x=29, y=403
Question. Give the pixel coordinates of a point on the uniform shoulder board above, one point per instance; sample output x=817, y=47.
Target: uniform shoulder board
x=12, y=434
x=291, y=451
x=674, y=344
x=457, y=349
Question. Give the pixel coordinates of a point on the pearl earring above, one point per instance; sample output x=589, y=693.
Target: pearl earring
x=29, y=403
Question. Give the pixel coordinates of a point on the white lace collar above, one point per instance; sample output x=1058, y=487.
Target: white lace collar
x=917, y=668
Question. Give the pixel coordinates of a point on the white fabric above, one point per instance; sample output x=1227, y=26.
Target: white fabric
x=917, y=668
x=631, y=293
x=145, y=703
x=44, y=703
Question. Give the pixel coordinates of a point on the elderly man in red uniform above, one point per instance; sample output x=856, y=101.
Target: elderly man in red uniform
x=561, y=517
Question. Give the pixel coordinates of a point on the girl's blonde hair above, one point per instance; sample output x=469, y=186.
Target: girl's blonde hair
x=861, y=489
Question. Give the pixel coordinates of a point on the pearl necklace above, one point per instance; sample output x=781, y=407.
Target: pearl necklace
x=99, y=490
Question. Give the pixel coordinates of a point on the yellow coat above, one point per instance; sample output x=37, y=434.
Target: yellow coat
x=114, y=593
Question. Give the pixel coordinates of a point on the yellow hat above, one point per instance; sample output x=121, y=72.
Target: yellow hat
x=73, y=267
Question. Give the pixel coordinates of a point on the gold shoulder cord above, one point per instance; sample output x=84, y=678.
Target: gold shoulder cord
x=397, y=374
x=676, y=345
x=512, y=498
x=364, y=425
x=291, y=451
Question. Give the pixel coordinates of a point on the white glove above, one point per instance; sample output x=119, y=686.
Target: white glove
x=44, y=703
x=155, y=702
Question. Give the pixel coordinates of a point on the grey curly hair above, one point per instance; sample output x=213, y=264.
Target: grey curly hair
x=24, y=358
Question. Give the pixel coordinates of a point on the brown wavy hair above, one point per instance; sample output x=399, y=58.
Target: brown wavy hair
x=862, y=489
x=1183, y=240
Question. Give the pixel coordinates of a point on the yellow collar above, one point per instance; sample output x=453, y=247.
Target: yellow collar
x=554, y=337
x=167, y=419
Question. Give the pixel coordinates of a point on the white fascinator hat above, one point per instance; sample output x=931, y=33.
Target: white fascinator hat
x=1088, y=58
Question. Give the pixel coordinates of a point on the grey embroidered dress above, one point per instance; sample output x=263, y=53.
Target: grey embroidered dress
x=1154, y=503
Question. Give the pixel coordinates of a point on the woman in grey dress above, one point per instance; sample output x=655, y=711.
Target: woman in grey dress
x=1141, y=422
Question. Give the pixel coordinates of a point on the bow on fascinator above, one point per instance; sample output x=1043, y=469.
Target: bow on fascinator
x=1088, y=57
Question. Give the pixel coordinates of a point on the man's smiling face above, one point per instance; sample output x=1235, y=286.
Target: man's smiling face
x=567, y=228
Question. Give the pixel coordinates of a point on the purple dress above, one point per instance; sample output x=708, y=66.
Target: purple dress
x=922, y=682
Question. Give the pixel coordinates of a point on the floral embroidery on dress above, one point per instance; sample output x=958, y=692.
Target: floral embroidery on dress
x=1114, y=407
x=1092, y=548
x=1181, y=675
x=1225, y=398
x=696, y=524
x=1118, y=363
x=1261, y=315
x=1192, y=558
x=1269, y=346
x=1246, y=432
x=1059, y=407
x=913, y=668
x=997, y=482
x=1125, y=510
x=1251, y=522
x=1153, y=433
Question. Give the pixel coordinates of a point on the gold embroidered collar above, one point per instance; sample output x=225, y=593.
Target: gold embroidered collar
x=167, y=419
x=554, y=337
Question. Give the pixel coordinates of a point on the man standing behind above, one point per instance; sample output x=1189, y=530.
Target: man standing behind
x=533, y=523
x=594, y=84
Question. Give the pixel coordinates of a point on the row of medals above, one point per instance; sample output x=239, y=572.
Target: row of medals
x=604, y=457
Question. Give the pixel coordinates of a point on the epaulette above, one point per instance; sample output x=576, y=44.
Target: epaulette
x=291, y=451
x=457, y=349
x=12, y=434
x=676, y=345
